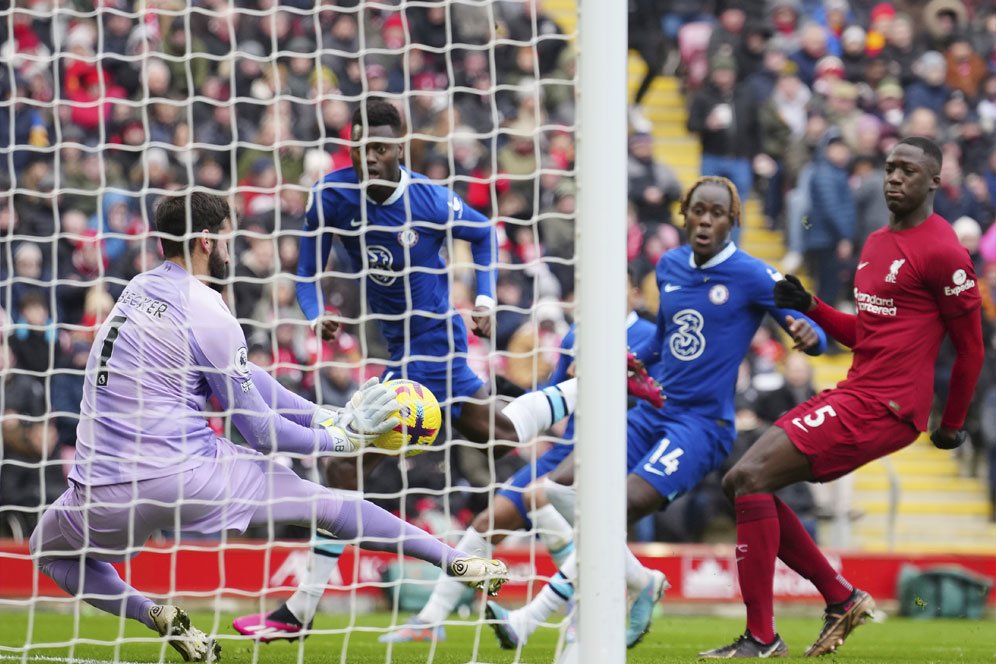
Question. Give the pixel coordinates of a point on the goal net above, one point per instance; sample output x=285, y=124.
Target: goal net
x=107, y=106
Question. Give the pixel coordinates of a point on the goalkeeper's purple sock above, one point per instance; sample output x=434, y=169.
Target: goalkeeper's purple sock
x=379, y=530
x=99, y=584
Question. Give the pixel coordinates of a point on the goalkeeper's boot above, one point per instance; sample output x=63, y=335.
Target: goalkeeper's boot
x=480, y=573
x=273, y=626
x=641, y=384
x=747, y=647
x=840, y=620
x=415, y=629
x=192, y=644
x=642, y=611
x=501, y=621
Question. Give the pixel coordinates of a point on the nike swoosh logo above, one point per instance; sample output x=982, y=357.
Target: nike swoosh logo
x=861, y=265
x=355, y=223
x=668, y=288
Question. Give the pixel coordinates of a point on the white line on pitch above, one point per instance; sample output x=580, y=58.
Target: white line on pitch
x=65, y=660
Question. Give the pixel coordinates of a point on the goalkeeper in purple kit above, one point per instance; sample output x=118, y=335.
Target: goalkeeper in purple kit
x=146, y=459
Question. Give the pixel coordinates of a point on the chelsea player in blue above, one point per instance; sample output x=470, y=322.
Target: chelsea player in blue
x=713, y=299
x=511, y=510
x=394, y=223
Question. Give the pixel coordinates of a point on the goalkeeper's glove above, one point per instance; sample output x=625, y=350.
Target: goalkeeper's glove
x=791, y=294
x=948, y=439
x=372, y=410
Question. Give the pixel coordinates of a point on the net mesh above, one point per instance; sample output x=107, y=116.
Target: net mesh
x=107, y=106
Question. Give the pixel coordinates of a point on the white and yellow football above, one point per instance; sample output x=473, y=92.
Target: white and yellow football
x=420, y=418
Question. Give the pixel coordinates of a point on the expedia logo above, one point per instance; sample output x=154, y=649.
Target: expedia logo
x=961, y=288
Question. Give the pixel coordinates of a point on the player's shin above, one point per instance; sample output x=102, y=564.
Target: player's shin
x=325, y=552
x=535, y=412
x=557, y=535
x=757, y=547
x=100, y=585
x=447, y=591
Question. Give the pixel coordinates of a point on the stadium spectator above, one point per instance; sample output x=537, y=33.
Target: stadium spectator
x=928, y=90
x=812, y=49
x=28, y=438
x=829, y=239
x=725, y=118
x=867, y=181
x=534, y=348
x=646, y=37
x=782, y=121
x=653, y=186
x=901, y=49
x=954, y=199
x=23, y=130
x=943, y=20
x=853, y=54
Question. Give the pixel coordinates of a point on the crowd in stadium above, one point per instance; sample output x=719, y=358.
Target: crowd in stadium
x=796, y=101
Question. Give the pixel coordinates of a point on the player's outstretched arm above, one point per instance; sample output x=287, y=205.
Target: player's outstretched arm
x=966, y=336
x=789, y=293
x=218, y=347
x=289, y=405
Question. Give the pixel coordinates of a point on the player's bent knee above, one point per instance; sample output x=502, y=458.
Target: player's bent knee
x=742, y=481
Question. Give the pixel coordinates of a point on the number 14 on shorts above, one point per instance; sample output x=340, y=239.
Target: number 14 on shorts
x=815, y=418
x=668, y=462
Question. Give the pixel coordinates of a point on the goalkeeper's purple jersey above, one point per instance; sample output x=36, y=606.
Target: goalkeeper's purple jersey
x=168, y=344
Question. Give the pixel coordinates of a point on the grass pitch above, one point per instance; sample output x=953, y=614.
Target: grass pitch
x=672, y=639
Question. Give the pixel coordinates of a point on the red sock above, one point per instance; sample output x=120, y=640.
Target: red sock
x=798, y=550
x=757, y=546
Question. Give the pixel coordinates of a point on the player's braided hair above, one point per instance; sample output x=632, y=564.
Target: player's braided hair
x=722, y=182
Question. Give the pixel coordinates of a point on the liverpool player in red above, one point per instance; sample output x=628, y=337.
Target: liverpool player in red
x=914, y=283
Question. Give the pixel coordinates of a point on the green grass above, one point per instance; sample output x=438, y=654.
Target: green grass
x=673, y=639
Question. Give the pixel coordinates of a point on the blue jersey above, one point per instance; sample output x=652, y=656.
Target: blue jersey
x=707, y=318
x=397, y=244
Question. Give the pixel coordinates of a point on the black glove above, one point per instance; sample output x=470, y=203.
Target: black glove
x=945, y=443
x=791, y=294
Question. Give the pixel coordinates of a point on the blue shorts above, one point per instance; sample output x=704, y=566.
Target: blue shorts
x=449, y=379
x=512, y=489
x=674, y=448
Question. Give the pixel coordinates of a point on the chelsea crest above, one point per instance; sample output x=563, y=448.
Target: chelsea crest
x=408, y=237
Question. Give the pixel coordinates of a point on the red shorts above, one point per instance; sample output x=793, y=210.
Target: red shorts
x=841, y=431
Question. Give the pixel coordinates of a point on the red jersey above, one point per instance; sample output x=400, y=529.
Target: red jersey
x=907, y=284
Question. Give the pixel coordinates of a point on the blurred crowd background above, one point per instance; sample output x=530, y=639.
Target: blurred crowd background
x=105, y=106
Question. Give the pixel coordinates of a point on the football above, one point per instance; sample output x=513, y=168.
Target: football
x=420, y=418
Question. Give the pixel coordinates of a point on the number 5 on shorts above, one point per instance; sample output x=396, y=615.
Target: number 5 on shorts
x=815, y=418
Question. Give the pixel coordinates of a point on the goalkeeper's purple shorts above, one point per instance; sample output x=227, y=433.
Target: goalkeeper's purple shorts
x=840, y=431
x=229, y=491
